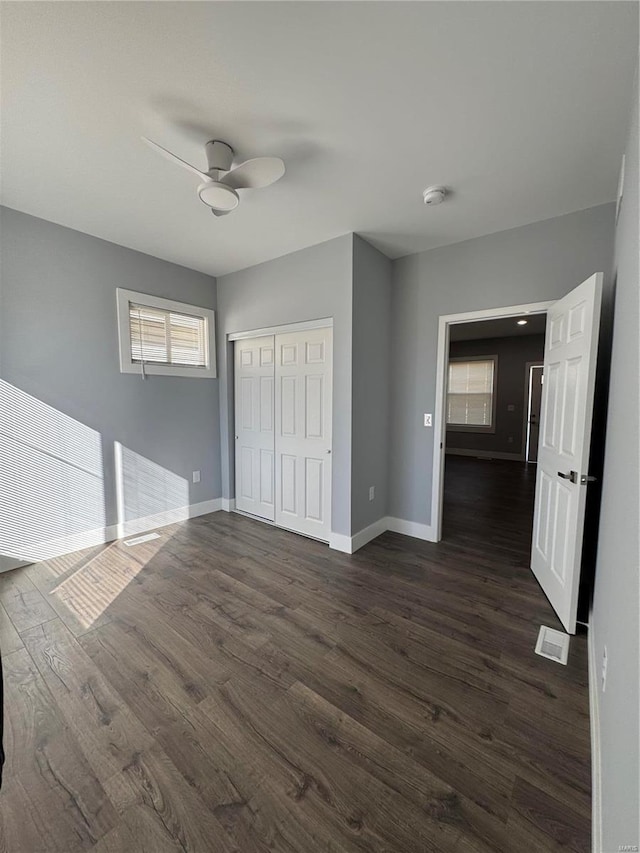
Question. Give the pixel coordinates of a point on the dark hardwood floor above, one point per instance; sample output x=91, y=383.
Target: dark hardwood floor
x=233, y=687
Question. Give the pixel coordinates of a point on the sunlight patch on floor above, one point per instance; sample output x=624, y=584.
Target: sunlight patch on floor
x=94, y=585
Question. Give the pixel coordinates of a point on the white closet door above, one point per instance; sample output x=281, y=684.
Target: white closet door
x=303, y=432
x=254, y=426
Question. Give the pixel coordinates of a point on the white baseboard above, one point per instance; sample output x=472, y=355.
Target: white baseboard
x=365, y=535
x=594, y=720
x=351, y=544
x=7, y=564
x=411, y=528
x=484, y=454
x=161, y=519
x=341, y=542
x=98, y=536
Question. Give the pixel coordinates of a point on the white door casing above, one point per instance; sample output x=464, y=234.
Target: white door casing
x=254, y=426
x=571, y=346
x=532, y=421
x=303, y=431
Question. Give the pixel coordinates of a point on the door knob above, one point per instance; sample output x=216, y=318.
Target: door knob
x=572, y=476
x=328, y=451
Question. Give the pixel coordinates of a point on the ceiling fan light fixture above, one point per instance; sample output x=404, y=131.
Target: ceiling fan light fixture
x=218, y=196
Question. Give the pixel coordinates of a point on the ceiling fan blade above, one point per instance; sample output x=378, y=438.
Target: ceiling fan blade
x=252, y=174
x=176, y=159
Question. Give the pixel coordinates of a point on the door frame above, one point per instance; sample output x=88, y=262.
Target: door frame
x=304, y=326
x=267, y=331
x=439, y=431
x=527, y=399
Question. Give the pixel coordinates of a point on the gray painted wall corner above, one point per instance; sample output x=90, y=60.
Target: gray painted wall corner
x=371, y=377
x=65, y=405
x=615, y=615
x=310, y=284
x=534, y=263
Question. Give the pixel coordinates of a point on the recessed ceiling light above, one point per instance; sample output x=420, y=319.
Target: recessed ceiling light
x=522, y=322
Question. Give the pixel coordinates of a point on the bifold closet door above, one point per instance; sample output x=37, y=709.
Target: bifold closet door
x=303, y=431
x=254, y=426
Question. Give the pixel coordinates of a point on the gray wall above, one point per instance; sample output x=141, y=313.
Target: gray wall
x=306, y=285
x=616, y=602
x=64, y=400
x=534, y=263
x=370, y=428
x=513, y=355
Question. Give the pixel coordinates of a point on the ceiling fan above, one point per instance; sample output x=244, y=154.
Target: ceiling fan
x=221, y=182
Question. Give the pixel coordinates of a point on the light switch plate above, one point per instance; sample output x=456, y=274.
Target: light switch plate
x=427, y=420
x=196, y=476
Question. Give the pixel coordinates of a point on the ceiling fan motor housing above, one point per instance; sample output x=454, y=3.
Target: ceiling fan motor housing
x=219, y=155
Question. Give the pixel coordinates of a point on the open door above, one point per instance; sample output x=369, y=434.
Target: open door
x=570, y=353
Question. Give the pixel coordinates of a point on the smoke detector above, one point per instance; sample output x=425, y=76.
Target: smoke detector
x=434, y=195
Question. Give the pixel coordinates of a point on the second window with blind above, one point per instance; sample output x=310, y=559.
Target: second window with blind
x=471, y=398
x=162, y=337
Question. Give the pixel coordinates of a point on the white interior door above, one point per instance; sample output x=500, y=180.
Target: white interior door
x=303, y=432
x=571, y=346
x=254, y=426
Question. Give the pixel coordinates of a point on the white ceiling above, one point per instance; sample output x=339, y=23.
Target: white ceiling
x=505, y=327
x=519, y=107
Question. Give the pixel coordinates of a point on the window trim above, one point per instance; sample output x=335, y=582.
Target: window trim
x=476, y=428
x=128, y=365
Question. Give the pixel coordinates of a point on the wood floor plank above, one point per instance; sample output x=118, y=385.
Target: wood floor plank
x=102, y=723
x=233, y=687
x=10, y=640
x=154, y=687
x=139, y=831
x=152, y=782
x=22, y=602
x=51, y=799
x=320, y=790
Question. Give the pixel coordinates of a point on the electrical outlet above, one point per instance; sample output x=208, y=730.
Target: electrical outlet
x=196, y=476
x=372, y=492
x=427, y=420
x=605, y=663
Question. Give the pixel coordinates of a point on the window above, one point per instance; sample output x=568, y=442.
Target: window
x=161, y=337
x=470, y=393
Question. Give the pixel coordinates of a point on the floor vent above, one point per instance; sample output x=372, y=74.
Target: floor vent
x=553, y=644
x=140, y=539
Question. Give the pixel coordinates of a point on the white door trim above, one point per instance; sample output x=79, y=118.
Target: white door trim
x=527, y=403
x=439, y=432
x=304, y=326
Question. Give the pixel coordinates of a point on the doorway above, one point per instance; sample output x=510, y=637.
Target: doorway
x=562, y=468
x=282, y=430
x=488, y=487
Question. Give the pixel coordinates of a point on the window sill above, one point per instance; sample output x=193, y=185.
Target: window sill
x=475, y=429
x=169, y=370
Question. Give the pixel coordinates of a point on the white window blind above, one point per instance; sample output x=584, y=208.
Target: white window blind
x=160, y=336
x=470, y=392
